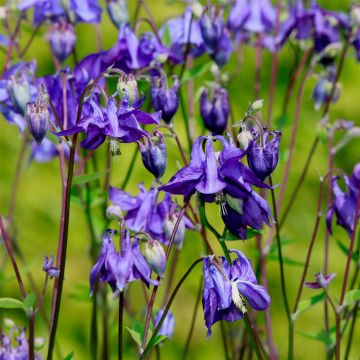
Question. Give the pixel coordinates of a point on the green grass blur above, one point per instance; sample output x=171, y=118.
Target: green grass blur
x=38, y=206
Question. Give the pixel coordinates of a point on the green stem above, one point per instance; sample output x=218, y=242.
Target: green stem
x=186, y=119
x=130, y=169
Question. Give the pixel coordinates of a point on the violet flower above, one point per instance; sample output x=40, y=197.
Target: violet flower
x=344, y=203
x=165, y=99
x=215, y=111
x=62, y=40
x=120, y=268
x=43, y=152
x=322, y=282
x=168, y=326
x=226, y=288
x=264, y=153
x=49, y=268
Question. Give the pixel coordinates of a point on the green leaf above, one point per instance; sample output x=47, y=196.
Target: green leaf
x=29, y=302
x=9, y=303
x=196, y=71
x=82, y=179
x=351, y=297
x=69, y=356
x=345, y=250
x=157, y=340
x=308, y=303
x=137, y=332
x=322, y=336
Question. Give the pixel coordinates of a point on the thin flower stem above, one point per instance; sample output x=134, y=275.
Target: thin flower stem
x=313, y=148
x=346, y=277
x=167, y=307
x=224, y=340
x=155, y=289
x=28, y=44
x=10, y=251
x=193, y=320
x=120, y=325
x=130, y=169
x=282, y=272
x=352, y=327
x=32, y=336
x=258, y=63
x=255, y=341
x=105, y=323
x=186, y=118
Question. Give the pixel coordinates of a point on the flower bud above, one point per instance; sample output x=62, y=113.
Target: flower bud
x=37, y=116
x=263, y=156
x=255, y=107
x=19, y=89
x=118, y=12
x=39, y=343
x=48, y=267
x=244, y=137
x=167, y=327
x=215, y=111
x=62, y=40
x=9, y=324
x=165, y=99
x=127, y=88
x=154, y=155
x=113, y=212
x=169, y=226
x=155, y=257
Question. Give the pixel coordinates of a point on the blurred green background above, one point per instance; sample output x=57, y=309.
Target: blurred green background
x=38, y=206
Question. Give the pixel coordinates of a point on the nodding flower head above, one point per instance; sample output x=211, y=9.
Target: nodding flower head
x=155, y=257
x=215, y=110
x=321, y=281
x=127, y=88
x=228, y=288
x=165, y=99
x=37, y=116
x=264, y=154
x=62, y=40
x=212, y=27
x=49, y=268
x=118, y=12
x=154, y=154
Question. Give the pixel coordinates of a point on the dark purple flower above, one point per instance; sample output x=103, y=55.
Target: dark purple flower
x=167, y=327
x=37, y=117
x=210, y=177
x=165, y=99
x=226, y=288
x=62, y=40
x=356, y=44
x=212, y=27
x=322, y=282
x=344, y=203
x=181, y=31
x=49, y=268
x=215, y=111
x=76, y=10
x=153, y=154
x=120, y=268
x=264, y=153
x=254, y=16
x=119, y=124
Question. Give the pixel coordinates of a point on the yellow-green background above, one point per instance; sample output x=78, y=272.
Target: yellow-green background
x=38, y=208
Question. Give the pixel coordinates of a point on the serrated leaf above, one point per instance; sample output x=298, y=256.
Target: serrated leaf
x=351, y=297
x=83, y=179
x=308, y=303
x=10, y=303
x=345, y=250
x=196, y=71
x=69, y=356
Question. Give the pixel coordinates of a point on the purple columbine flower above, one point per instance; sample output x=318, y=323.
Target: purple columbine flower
x=77, y=10
x=120, y=268
x=168, y=326
x=263, y=155
x=49, y=268
x=322, y=282
x=209, y=176
x=165, y=99
x=62, y=40
x=226, y=288
x=254, y=16
x=120, y=124
x=344, y=203
x=215, y=111
x=154, y=154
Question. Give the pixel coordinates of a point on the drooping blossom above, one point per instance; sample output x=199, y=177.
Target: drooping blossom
x=168, y=326
x=62, y=40
x=155, y=256
x=49, y=268
x=263, y=155
x=321, y=281
x=345, y=202
x=118, y=268
x=227, y=287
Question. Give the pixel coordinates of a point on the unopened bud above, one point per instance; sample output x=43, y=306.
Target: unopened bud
x=9, y=324
x=39, y=343
x=255, y=107
x=37, y=116
x=20, y=92
x=155, y=257
x=62, y=40
x=113, y=212
x=169, y=226
x=244, y=138
x=127, y=88
x=118, y=12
